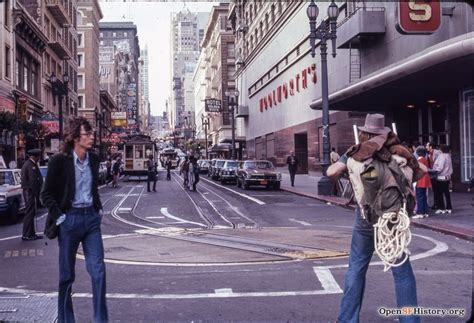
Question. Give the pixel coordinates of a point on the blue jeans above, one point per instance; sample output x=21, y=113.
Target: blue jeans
x=362, y=248
x=81, y=226
x=421, y=201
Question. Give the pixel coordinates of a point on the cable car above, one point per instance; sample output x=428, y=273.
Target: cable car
x=173, y=154
x=137, y=151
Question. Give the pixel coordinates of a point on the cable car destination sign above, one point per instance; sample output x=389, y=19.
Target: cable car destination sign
x=212, y=105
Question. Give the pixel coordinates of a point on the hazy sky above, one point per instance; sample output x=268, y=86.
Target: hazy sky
x=153, y=24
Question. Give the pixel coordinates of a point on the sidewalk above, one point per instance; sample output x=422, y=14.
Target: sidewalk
x=459, y=223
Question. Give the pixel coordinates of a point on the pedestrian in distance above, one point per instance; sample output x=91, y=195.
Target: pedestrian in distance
x=108, y=166
x=374, y=135
x=422, y=186
x=433, y=153
x=116, y=172
x=74, y=216
x=184, y=171
x=292, y=163
x=443, y=167
x=334, y=156
x=152, y=173
x=31, y=183
x=168, y=166
x=196, y=170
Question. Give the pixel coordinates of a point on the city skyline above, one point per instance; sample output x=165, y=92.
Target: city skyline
x=159, y=51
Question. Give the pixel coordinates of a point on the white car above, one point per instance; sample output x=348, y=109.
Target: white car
x=11, y=194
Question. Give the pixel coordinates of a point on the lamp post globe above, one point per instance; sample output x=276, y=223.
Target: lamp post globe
x=312, y=11
x=333, y=11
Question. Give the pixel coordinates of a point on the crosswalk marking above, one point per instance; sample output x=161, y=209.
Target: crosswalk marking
x=23, y=253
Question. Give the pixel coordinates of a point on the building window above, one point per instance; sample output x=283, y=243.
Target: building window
x=101, y=43
x=80, y=40
x=114, y=34
x=34, y=77
x=125, y=34
x=80, y=60
x=80, y=101
x=101, y=35
x=7, y=13
x=8, y=62
x=80, y=81
x=26, y=73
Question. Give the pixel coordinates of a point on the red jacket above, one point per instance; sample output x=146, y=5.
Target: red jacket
x=425, y=181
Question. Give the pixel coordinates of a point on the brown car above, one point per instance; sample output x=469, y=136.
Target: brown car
x=258, y=172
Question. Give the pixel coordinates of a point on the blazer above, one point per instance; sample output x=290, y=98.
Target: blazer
x=60, y=188
x=31, y=178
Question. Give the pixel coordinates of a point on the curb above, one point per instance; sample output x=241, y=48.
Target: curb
x=436, y=228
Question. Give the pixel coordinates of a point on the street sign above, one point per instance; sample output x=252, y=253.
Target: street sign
x=418, y=17
x=212, y=105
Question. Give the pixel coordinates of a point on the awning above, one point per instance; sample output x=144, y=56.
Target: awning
x=220, y=148
x=440, y=70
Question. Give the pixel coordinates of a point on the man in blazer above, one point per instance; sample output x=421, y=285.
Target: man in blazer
x=31, y=183
x=74, y=216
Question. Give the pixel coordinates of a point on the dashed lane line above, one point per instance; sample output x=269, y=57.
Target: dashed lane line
x=253, y=199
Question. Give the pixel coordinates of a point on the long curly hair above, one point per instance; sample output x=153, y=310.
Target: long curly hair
x=73, y=132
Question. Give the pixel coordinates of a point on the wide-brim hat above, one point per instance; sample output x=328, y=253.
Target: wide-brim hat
x=375, y=124
x=34, y=152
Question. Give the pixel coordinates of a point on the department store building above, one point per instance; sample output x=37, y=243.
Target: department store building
x=414, y=66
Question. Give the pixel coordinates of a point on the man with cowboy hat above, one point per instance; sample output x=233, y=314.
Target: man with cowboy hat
x=31, y=183
x=377, y=142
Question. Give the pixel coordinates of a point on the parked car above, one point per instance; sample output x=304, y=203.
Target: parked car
x=228, y=173
x=103, y=173
x=204, y=164
x=11, y=194
x=216, y=169
x=258, y=172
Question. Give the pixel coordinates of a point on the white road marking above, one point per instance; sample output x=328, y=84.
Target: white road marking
x=301, y=222
x=327, y=280
x=124, y=209
x=259, y=202
x=440, y=247
x=223, y=291
x=155, y=217
x=165, y=212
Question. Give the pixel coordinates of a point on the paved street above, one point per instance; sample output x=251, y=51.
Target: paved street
x=224, y=254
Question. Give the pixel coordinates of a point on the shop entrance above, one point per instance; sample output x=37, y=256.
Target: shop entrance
x=301, y=152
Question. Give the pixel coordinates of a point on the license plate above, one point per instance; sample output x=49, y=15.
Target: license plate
x=263, y=182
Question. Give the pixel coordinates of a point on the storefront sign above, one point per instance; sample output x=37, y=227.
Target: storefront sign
x=119, y=122
x=418, y=17
x=22, y=108
x=117, y=115
x=132, y=103
x=290, y=88
x=212, y=105
x=50, y=125
x=7, y=105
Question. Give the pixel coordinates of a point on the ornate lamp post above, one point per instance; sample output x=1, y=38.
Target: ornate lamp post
x=60, y=89
x=326, y=31
x=232, y=97
x=98, y=121
x=205, y=124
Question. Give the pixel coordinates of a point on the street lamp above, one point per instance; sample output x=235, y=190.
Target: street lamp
x=205, y=124
x=232, y=97
x=98, y=121
x=59, y=90
x=326, y=31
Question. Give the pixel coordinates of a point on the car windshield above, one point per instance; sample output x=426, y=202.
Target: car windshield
x=6, y=178
x=259, y=165
x=220, y=163
x=232, y=164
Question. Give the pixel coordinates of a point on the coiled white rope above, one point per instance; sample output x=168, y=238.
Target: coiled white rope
x=391, y=238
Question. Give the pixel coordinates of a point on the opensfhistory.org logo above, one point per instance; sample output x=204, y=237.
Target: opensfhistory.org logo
x=422, y=311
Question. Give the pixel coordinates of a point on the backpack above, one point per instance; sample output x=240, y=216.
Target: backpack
x=386, y=189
